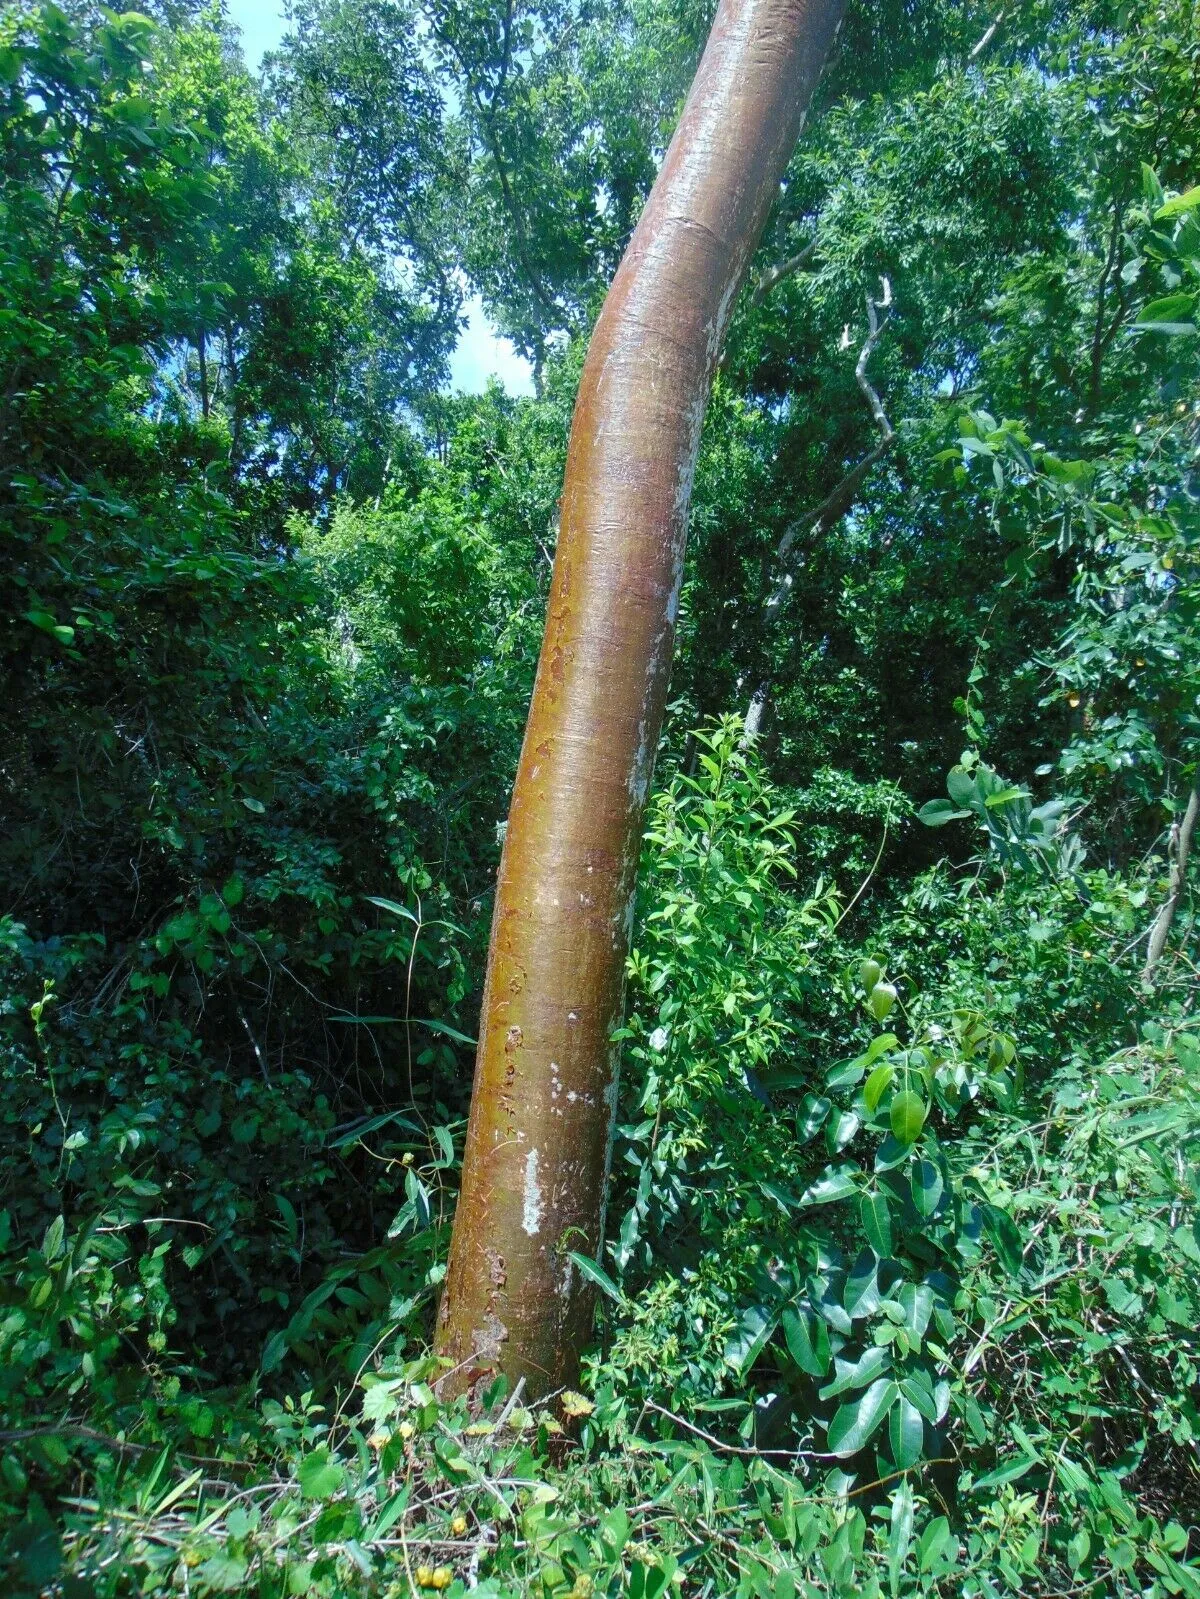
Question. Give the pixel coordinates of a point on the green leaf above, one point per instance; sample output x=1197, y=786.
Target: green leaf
x=751, y=1337
x=917, y=1300
x=1011, y=1471
x=855, y=1424
x=319, y=1475
x=52, y=1240
x=961, y=787
x=937, y=812
x=877, y=1047
x=841, y=1132
x=813, y=1112
x=901, y=1531
x=906, y=1433
x=1168, y=315
x=926, y=1187
x=807, y=1339
x=392, y=908
x=1188, y=201
x=857, y=1373
x=1005, y=1237
x=891, y=1153
x=907, y=1116
x=433, y=1024
x=835, y=1182
x=932, y=1541
x=877, y=1223
x=877, y=1084
x=862, y=1296
x=596, y=1275
x=786, y=1201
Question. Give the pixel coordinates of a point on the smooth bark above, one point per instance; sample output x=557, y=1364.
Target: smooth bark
x=540, y=1133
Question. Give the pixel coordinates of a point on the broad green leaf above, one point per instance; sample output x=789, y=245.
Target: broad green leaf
x=855, y=1424
x=813, y=1112
x=751, y=1337
x=917, y=1300
x=918, y=1390
x=937, y=812
x=891, y=1153
x=1173, y=314
x=1011, y=1471
x=1005, y=1236
x=877, y=1223
x=1188, y=201
x=877, y=1084
x=907, y=1116
x=878, y=1046
x=862, y=1296
x=786, y=1201
x=319, y=1475
x=857, y=1373
x=926, y=1187
x=807, y=1339
x=841, y=1132
x=906, y=1432
x=961, y=787
x=846, y=1073
x=835, y=1182
x=931, y=1543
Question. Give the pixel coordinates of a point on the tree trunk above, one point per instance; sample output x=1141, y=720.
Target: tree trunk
x=540, y=1134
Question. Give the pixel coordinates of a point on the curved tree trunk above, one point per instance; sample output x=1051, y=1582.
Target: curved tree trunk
x=539, y=1137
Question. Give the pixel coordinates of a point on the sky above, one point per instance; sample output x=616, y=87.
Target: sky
x=480, y=354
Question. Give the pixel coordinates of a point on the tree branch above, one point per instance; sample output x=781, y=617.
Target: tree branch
x=1101, y=340
x=784, y=269
x=835, y=504
x=1178, y=849
x=988, y=36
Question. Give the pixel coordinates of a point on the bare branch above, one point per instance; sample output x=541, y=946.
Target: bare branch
x=860, y=366
x=835, y=504
x=1178, y=849
x=785, y=269
x=988, y=36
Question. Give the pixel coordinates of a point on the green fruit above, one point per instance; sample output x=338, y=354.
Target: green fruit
x=880, y=1000
x=869, y=973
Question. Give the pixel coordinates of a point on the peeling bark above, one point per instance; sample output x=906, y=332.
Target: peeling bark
x=540, y=1132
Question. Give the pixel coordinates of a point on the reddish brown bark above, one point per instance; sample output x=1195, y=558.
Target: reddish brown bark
x=539, y=1137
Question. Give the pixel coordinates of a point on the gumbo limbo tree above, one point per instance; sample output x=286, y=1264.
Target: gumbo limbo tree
x=539, y=1136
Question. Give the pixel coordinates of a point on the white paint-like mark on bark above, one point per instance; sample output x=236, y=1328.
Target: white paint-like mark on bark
x=531, y=1216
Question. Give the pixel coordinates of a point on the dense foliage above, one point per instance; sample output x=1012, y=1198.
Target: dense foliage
x=900, y=1294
